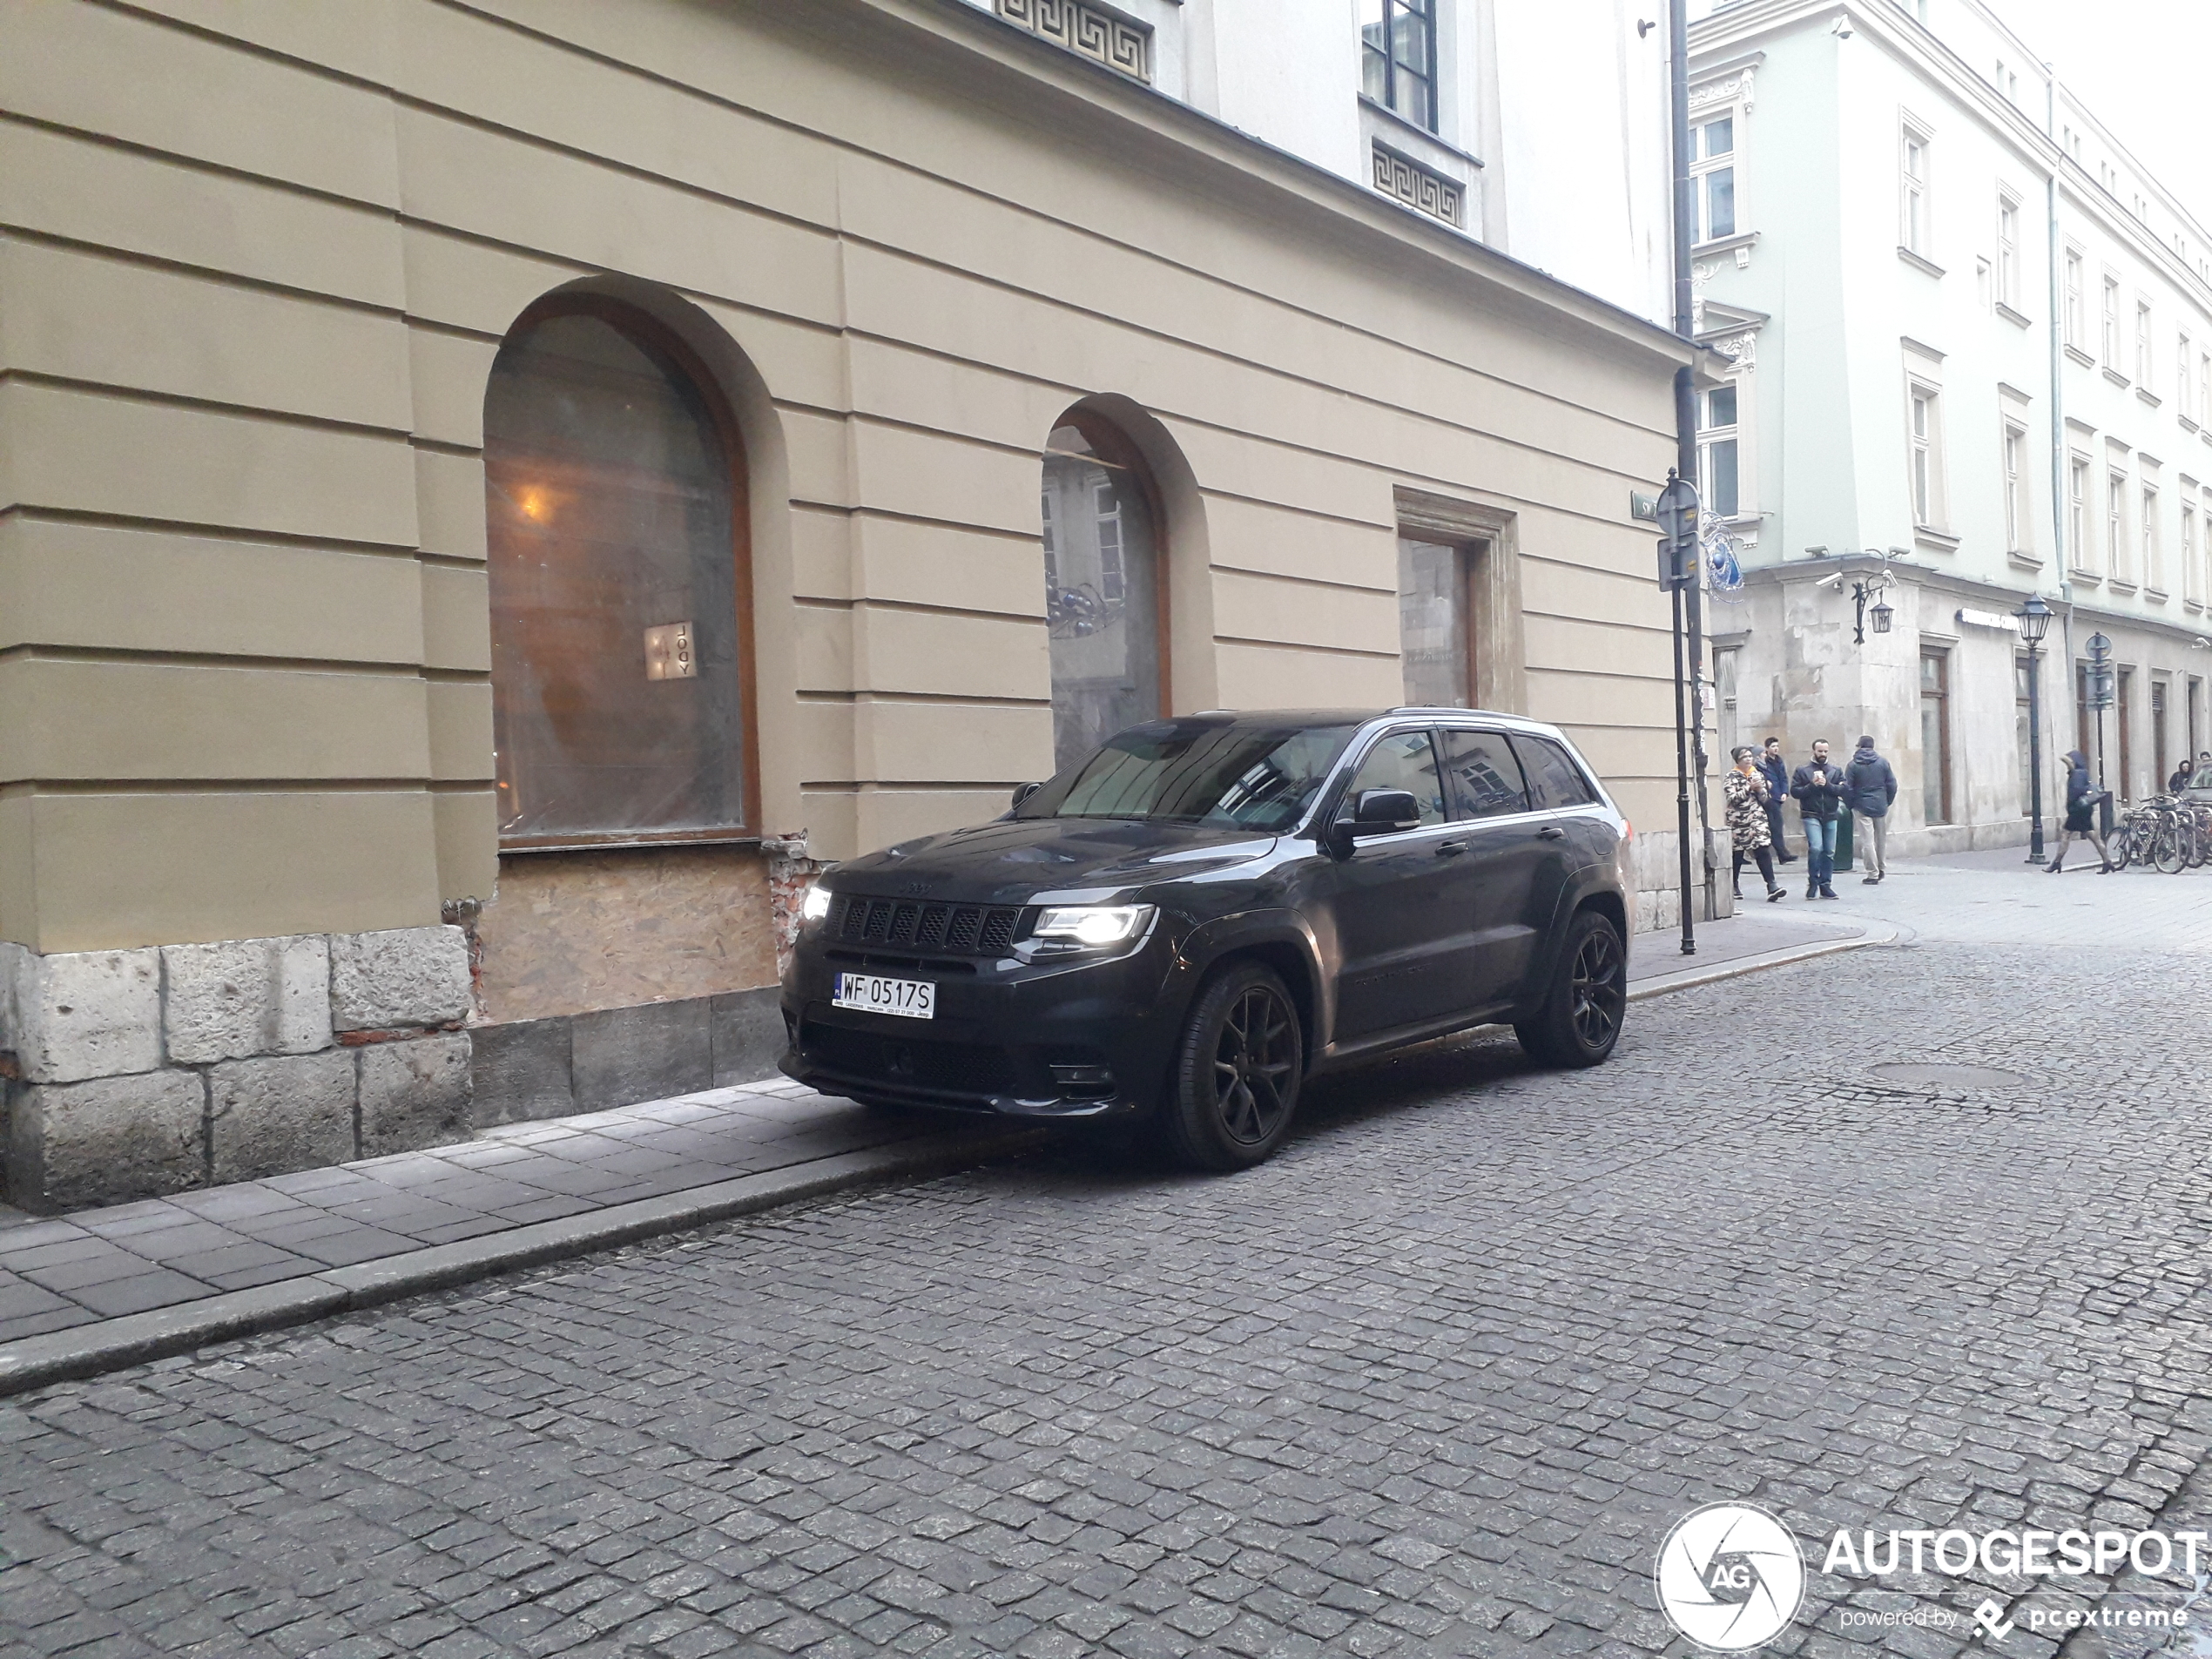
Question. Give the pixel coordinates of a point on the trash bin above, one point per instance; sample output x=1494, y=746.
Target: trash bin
x=1843, y=841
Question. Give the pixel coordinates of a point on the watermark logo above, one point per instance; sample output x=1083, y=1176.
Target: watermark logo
x=1731, y=1576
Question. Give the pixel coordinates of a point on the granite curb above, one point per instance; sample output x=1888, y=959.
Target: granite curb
x=89, y=1350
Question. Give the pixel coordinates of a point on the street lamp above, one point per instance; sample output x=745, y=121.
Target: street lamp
x=1863, y=594
x=2034, y=621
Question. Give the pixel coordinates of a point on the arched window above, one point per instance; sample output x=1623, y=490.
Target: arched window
x=1104, y=598
x=615, y=490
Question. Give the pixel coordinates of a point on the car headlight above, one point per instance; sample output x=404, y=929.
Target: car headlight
x=815, y=905
x=1094, y=926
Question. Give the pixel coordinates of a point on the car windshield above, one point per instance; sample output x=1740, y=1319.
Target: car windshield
x=1181, y=771
x=2202, y=780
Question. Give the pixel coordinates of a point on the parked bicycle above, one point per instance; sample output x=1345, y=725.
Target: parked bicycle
x=2165, y=834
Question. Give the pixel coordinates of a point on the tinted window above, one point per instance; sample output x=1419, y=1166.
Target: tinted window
x=1553, y=780
x=1485, y=774
x=1179, y=771
x=1403, y=760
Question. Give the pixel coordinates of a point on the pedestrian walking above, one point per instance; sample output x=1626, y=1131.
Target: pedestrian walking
x=1776, y=770
x=1748, y=834
x=1869, y=787
x=2081, y=799
x=1818, y=790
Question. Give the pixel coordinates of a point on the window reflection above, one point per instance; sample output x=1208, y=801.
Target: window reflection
x=1101, y=592
x=616, y=679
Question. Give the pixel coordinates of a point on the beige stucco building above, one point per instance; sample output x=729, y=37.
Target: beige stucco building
x=355, y=794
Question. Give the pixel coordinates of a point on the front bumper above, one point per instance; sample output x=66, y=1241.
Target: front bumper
x=1068, y=1038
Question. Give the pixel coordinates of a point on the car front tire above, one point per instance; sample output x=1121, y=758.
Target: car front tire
x=1235, y=1084
x=1581, y=1018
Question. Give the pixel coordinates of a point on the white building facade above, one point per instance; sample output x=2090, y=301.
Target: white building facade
x=1453, y=107
x=1967, y=341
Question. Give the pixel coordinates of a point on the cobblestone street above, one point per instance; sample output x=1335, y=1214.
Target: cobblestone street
x=1437, y=1381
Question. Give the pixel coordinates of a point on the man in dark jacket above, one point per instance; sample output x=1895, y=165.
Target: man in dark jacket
x=1869, y=787
x=1777, y=791
x=1818, y=790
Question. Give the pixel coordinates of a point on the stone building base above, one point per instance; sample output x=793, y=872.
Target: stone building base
x=133, y=1072
x=582, y=1063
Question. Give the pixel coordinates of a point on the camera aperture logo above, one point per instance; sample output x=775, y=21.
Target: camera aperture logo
x=1731, y=1576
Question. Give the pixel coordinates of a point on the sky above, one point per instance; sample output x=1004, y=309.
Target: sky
x=2144, y=67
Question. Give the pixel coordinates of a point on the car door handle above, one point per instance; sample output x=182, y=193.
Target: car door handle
x=1448, y=849
x=1551, y=833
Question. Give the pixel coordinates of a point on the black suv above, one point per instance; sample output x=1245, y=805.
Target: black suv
x=1211, y=908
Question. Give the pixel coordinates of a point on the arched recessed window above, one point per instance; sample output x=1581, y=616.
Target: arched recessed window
x=615, y=490
x=1104, y=598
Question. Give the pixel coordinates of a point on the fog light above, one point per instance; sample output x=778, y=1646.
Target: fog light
x=1088, y=1081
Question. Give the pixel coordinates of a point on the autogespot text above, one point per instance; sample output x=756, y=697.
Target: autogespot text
x=2029, y=1552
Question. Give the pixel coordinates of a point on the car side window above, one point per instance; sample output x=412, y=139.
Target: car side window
x=1555, y=781
x=1403, y=760
x=1484, y=775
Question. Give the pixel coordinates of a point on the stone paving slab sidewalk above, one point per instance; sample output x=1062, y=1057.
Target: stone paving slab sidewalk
x=84, y=1293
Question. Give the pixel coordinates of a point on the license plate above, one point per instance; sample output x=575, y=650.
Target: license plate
x=911, y=999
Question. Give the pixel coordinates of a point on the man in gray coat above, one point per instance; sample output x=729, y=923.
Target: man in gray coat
x=1870, y=785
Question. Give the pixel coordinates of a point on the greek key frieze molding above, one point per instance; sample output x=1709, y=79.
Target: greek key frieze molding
x=1121, y=45
x=1416, y=185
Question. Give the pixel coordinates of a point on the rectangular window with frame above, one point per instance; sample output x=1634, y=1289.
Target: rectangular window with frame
x=2015, y=488
x=2123, y=560
x=2142, y=345
x=1713, y=177
x=1935, y=737
x=2008, y=252
x=2192, y=578
x=1926, y=430
x=2077, y=512
x=1718, y=451
x=2153, y=552
x=2183, y=401
x=2204, y=389
x=2112, y=324
x=2077, y=325
x=1398, y=57
x=1913, y=157
x=1435, y=633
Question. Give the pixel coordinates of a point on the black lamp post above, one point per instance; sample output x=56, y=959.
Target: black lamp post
x=2034, y=621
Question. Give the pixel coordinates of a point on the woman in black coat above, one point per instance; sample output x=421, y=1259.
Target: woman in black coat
x=2081, y=799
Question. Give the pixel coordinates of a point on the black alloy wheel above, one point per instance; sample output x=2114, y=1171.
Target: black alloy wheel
x=1235, y=1080
x=1580, y=1021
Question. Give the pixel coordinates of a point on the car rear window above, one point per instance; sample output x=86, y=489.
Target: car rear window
x=1485, y=774
x=1554, y=778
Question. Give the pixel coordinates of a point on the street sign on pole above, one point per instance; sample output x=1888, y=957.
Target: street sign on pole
x=1678, y=564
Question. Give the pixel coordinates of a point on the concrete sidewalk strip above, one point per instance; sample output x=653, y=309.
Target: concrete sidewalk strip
x=88, y=1292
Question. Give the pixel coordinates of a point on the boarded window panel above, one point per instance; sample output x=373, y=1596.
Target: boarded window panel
x=615, y=632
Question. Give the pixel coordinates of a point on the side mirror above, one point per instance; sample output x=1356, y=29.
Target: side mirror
x=1023, y=792
x=1383, y=811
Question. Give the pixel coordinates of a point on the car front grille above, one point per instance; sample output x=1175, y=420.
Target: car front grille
x=961, y=929
x=962, y=1068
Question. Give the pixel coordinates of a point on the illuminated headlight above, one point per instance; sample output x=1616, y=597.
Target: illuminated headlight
x=1094, y=926
x=815, y=905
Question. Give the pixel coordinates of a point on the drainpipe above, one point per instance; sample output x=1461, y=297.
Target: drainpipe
x=1687, y=599
x=2057, y=261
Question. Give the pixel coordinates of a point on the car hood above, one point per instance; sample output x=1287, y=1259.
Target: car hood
x=1017, y=860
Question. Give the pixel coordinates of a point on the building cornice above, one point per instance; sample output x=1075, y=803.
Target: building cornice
x=1031, y=80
